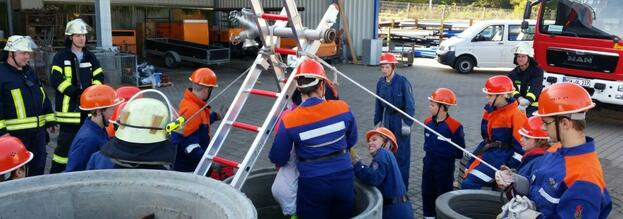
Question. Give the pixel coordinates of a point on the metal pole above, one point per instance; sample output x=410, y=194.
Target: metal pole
x=10, y=17
x=103, y=24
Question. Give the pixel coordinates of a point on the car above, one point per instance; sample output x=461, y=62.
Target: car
x=485, y=44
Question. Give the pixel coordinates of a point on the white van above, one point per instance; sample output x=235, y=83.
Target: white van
x=485, y=44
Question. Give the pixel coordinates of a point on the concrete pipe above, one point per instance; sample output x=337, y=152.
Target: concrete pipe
x=122, y=194
x=368, y=200
x=464, y=204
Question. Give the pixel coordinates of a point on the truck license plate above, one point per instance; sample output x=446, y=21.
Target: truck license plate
x=579, y=81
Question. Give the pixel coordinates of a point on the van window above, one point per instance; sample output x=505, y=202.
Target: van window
x=491, y=33
x=515, y=34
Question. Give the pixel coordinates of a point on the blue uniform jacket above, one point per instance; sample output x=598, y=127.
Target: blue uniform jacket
x=570, y=184
x=99, y=161
x=88, y=140
x=449, y=128
x=399, y=93
x=195, y=139
x=531, y=161
x=316, y=128
x=383, y=173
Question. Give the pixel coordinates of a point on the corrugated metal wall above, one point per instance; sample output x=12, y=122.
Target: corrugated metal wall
x=314, y=9
x=180, y=3
x=360, y=16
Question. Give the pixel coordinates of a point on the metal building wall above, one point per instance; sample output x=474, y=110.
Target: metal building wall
x=179, y=3
x=360, y=16
x=314, y=9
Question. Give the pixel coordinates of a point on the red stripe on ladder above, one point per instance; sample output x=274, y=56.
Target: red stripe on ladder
x=245, y=126
x=263, y=93
x=275, y=17
x=285, y=51
x=226, y=162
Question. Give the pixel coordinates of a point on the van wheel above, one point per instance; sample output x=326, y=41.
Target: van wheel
x=464, y=64
x=169, y=61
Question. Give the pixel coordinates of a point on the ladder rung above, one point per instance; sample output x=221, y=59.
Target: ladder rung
x=275, y=17
x=263, y=93
x=245, y=126
x=226, y=162
x=285, y=51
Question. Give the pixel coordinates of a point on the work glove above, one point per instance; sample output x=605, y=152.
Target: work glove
x=354, y=158
x=405, y=129
x=504, y=177
x=519, y=207
x=522, y=108
x=220, y=113
x=523, y=101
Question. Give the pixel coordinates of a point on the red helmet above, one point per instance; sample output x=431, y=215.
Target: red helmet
x=388, y=58
x=126, y=92
x=13, y=154
x=311, y=69
x=533, y=128
x=385, y=133
x=110, y=129
x=204, y=76
x=99, y=97
x=443, y=96
x=499, y=84
x=564, y=98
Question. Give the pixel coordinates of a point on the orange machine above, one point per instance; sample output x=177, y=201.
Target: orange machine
x=325, y=49
x=192, y=30
x=125, y=40
x=223, y=35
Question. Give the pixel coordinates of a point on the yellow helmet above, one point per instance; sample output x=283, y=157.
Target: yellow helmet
x=17, y=43
x=143, y=121
x=76, y=26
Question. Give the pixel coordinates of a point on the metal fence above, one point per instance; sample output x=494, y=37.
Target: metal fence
x=397, y=10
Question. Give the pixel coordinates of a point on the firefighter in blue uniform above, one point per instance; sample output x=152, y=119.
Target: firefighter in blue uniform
x=321, y=132
x=74, y=69
x=101, y=101
x=438, y=171
x=195, y=138
x=500, y=126
x=383, y=173
x=527, y=78
x=569, y=181
x=395, y=89
x=25, y=109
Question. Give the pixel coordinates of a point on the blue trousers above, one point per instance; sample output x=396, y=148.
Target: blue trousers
x=328, y=196
x=437, y=179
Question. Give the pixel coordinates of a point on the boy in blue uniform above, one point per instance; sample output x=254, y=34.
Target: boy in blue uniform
x=395, y=89
x=569, y=181
x=438, y=172
x=383, y=173
x=321, y=132
x=101, y=101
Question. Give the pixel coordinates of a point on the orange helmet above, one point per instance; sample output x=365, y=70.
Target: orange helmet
x=385, y=133
x=110, y=129
x=126, y=92
x=99, y=97
x=499, y=84
x=533, y=128
x=312, y=69
x=388, y=58
x=204, y=76
x=443, y=96
x=13, y=154
x=564, y=98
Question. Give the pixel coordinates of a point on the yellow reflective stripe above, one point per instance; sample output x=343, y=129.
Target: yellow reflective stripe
x=19, y=124
x=65, y=106
x=96, y=82
x=97, y=71
x=68, y=120
x=70, y=114
x=57, y=68
x=19, y=103
x=43, y=93
x=67, y=72
x=59, y=159
x=2, y=124
x=531, y=95
x=21, y=121
x=515, y=93
x=50, y=117
x=64, y=85
x=535, y=104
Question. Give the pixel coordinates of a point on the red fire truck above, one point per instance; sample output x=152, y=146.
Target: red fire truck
x=579, y=41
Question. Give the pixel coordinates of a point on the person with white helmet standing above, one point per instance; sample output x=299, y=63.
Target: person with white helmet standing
x=101, y=101
x=527, y=78
x=74, y=69
x=25, y=109
x=140, y=140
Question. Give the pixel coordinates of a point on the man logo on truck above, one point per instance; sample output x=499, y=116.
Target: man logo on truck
x=580, y=59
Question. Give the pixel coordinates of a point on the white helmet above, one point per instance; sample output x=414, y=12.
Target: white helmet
x=17, y=43
x=524, y=49
x=143, y=121
x=76, y=26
